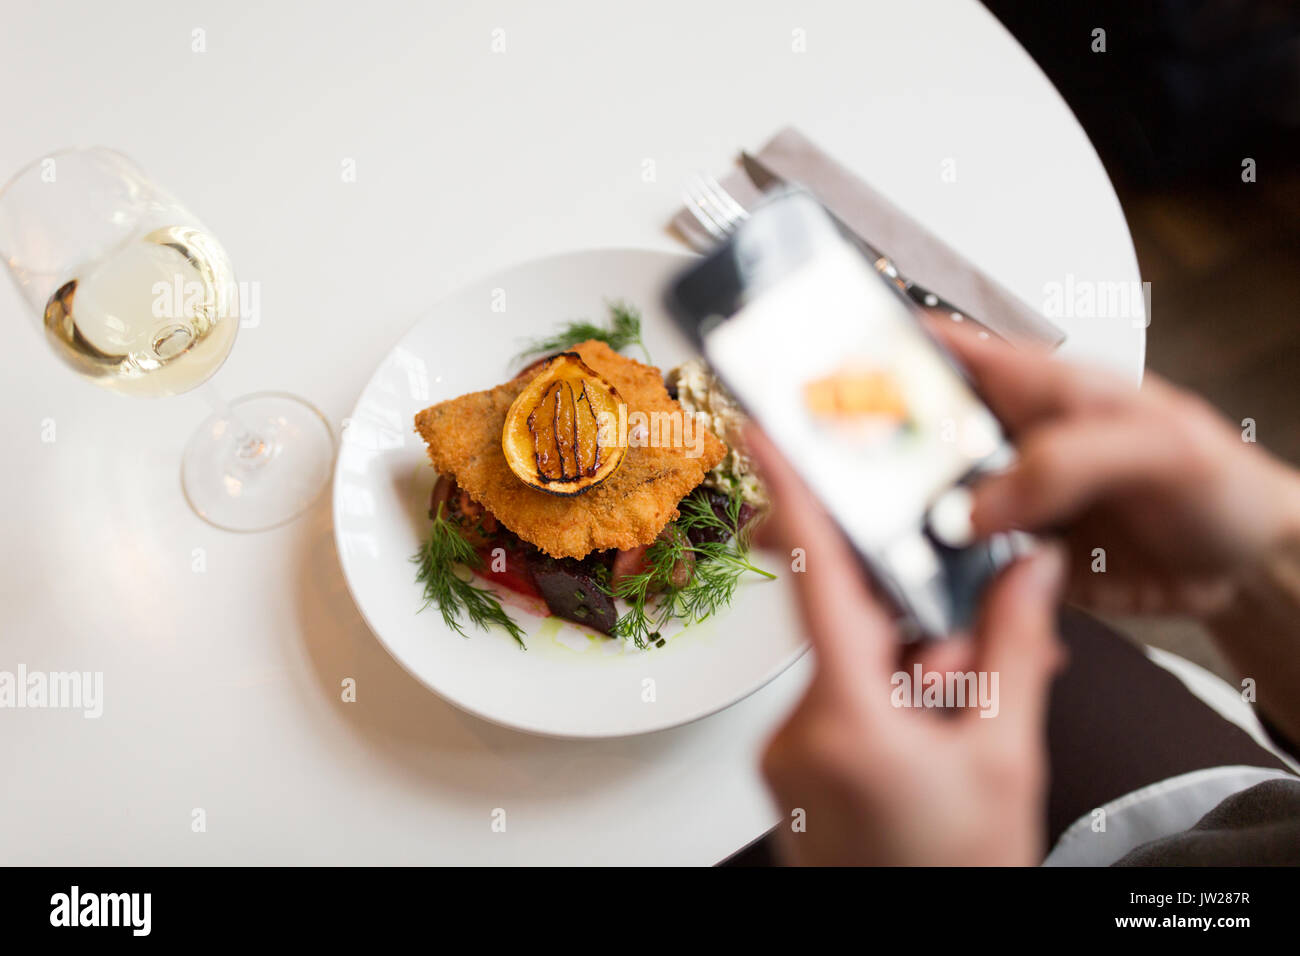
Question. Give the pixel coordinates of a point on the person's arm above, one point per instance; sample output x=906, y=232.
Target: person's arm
x=1165, y=507
x=1258, y=632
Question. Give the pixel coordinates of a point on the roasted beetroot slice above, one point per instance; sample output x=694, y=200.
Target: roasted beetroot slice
x=572, y=589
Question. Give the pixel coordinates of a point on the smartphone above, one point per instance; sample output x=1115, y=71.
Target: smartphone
x=832, y=359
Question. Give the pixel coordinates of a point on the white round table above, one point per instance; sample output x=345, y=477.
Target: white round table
x=223, y=655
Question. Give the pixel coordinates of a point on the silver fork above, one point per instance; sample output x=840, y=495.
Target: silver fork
x=715, y=209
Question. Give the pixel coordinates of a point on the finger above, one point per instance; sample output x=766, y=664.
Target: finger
x=1027, y=386
x=849, y=630
x=1016, y=640
x=1063, y=468
x=952, y=655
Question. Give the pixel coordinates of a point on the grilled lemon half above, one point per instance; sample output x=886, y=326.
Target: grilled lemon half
x=561, y=434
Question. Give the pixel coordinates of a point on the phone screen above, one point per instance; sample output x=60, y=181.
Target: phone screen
x=835, y=366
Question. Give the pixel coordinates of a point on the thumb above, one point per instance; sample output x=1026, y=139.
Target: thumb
x=1016, y=637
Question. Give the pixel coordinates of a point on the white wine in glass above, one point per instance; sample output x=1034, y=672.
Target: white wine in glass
x=137, y=296
x=156, y=316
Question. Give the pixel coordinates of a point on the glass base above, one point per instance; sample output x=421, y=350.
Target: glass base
x=261, y=461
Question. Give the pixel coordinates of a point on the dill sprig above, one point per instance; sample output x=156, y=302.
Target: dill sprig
x=440, y=558
x=719, y=565
x=623, y=329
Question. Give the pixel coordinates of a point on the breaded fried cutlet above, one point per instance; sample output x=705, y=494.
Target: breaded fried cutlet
x=626, y=510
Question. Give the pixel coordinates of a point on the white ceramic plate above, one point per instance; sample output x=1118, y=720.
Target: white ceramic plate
x=568, y=682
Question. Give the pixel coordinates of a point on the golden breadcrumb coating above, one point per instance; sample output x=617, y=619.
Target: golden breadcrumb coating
x=628, y=509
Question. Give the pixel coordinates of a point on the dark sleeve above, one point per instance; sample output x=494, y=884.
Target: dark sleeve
x=1280, y=740
x=1256, y=827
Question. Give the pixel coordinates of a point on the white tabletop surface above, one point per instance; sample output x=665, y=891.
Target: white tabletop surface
x=222, y=687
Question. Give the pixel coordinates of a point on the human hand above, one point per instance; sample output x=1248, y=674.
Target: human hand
x=1152, y=486
x=888, y=785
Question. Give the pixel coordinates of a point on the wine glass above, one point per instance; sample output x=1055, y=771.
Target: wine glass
x=137, y=296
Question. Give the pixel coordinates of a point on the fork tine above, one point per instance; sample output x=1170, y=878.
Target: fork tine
x=734, y=211
x=715, y=208
x=699, y=205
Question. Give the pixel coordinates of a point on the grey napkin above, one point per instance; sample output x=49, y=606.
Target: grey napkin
x=919, y=255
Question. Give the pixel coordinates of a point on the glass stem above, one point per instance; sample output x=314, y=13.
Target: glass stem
x=251, y=449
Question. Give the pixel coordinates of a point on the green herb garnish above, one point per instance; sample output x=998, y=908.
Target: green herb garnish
x=653, y=601
x=441, y=558
x=624, y=329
